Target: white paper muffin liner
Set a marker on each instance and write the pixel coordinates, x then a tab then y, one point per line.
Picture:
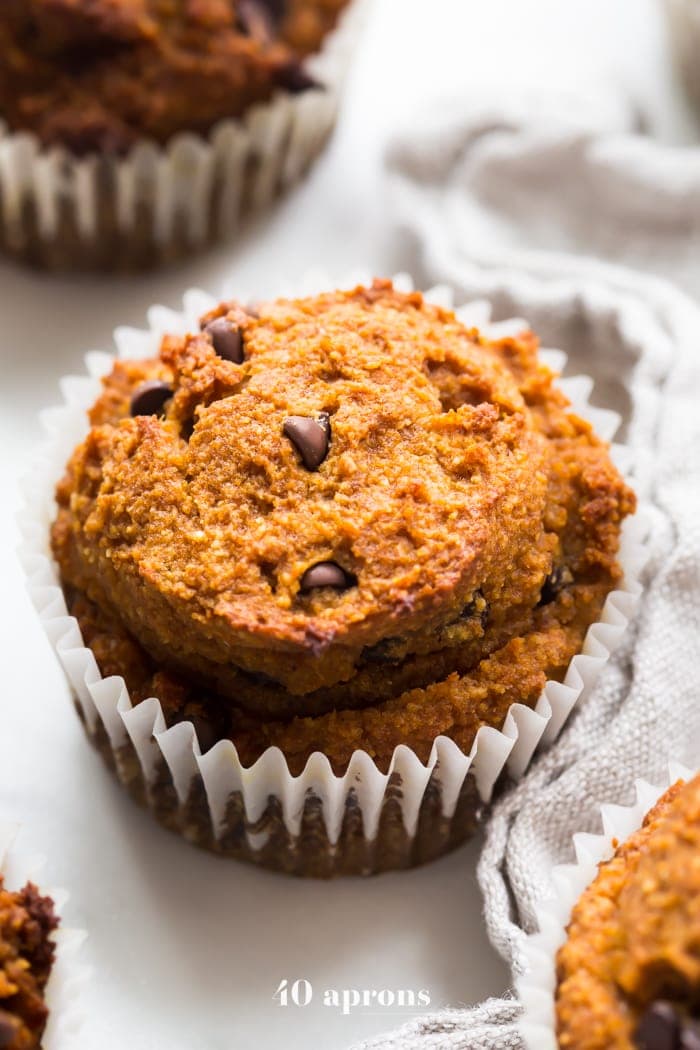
426	802
159	203
69	974
536	989
684	26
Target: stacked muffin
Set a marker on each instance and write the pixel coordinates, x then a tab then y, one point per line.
336	524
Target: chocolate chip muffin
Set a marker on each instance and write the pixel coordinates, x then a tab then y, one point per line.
105	74
629	973
337	523
27	922
134	132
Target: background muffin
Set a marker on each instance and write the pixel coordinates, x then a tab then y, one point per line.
614	962
41	976
114	87
628	975
335	525
27	923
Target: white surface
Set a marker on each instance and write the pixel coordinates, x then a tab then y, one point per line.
188	949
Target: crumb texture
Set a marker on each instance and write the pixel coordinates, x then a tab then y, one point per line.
632	959
102	74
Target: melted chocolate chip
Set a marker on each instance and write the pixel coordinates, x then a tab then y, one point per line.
294	78
149	398
559	578
478	606
326	574
227	339
310	437
658	1028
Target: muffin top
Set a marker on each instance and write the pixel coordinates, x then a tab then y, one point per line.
27	922
102	74
306	497
629	973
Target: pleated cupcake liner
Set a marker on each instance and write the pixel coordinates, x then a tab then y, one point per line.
536	989
159	203
316	823
69	974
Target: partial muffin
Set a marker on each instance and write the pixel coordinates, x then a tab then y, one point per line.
629	973
27	924
103	75
99	79
338	523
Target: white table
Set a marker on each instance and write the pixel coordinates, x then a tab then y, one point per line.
188	949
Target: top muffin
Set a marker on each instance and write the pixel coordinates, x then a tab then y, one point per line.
102	74
306	491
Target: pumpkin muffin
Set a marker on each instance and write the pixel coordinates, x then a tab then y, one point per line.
337	523
27	922
629	973
102	75
136	131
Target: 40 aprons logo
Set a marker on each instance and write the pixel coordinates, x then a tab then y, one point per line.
301	993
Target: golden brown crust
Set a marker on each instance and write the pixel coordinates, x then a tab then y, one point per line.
197	529
102	74
27	921
478	516
634	934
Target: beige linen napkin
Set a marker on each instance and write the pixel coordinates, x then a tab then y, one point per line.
640	340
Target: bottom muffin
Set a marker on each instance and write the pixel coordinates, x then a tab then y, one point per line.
629	973
27	923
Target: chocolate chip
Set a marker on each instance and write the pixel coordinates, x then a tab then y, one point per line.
227	339
310	437
690	1036
8	1030
149	398
658	1028
326	574
478	606
559	578
294	78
